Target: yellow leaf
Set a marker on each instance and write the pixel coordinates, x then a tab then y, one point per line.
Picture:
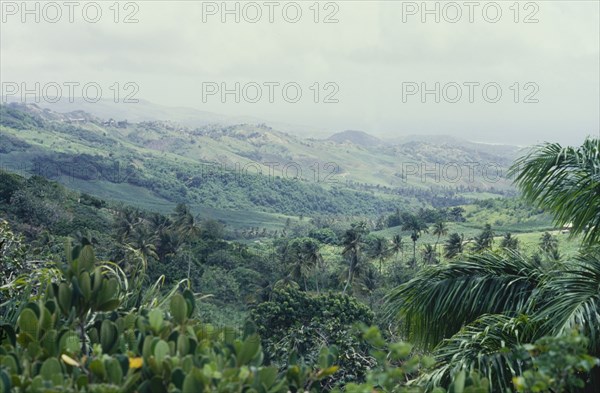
327	371
69	360
136	362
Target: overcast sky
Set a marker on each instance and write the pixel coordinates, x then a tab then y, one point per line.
375	52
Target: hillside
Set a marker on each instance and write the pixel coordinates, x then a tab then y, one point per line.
253	168
359	138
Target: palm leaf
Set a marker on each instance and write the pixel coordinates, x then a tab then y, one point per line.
570	299
487	345
442	299
566	182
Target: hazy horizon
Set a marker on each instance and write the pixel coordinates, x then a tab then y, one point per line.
371	58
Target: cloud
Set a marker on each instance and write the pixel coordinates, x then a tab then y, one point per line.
369	53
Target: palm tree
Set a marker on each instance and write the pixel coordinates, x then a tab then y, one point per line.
439	229
465	309
509	241
416	226
369	283
158	223
429	253
484	240
143	242
454	245
380	250
126	222
305	257
167	243
397	245
548	243
185	223
566	182
353	242
476	311
312	253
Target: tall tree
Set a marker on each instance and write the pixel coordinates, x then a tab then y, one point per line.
429	253
127	220
454	245
548	243
484	240
353	242
143	242
305	258
509	242
397	245
439	229
417	227
380	250
185	223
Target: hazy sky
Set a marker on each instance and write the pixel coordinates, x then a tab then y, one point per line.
371	60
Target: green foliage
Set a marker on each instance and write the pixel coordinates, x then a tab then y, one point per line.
397	365
220	283
484	240
548	243
475	312
303	259
454	246
296	322
12	257
566	182
36	204
441	299
394	365
509	241
556	364
132	350
478	312
9	184
324	235
78	337
353	242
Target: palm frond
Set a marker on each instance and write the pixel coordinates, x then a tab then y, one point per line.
566	182
442	299
487	345
570	299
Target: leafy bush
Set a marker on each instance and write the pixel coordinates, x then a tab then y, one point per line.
558	364
294	321
220	283
76	338
324	235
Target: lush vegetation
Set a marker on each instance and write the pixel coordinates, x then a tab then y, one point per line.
157	164
354	291
477	311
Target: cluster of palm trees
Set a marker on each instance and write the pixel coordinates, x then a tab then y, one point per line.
155	237
303	256
474	311
356	246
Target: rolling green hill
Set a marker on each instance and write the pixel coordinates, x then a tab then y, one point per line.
243	173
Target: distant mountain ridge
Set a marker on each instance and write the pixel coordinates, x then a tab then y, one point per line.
375	162
243	166
360	138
